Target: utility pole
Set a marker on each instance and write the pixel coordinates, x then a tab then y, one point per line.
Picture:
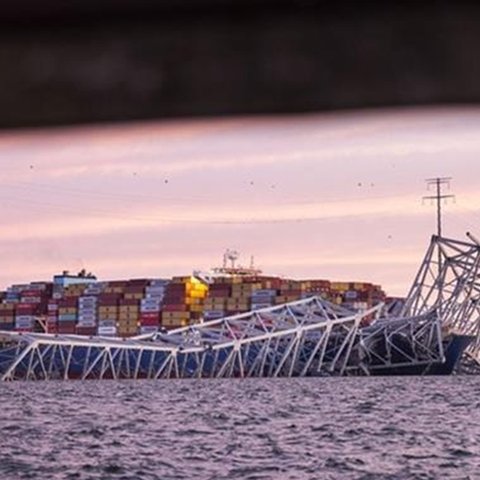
438	183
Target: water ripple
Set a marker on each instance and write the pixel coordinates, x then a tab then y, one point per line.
305	429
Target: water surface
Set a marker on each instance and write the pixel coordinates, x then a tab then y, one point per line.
323	428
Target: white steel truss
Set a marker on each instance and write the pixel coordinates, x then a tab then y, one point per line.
448	284
304	338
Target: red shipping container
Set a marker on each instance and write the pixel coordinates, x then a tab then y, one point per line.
117	283
219	293
175	288
150	315
170	299
149	322
134	289
25	311
139	282
69	302
86	330
32	293
129	302
65	329
175	308
108	299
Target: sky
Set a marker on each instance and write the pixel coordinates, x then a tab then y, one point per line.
328	195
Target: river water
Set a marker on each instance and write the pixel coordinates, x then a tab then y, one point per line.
320	428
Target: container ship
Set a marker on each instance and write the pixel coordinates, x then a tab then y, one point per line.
80	304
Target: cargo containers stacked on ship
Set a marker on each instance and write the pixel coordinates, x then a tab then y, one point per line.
357	295
31	306
316	287
7	315
183	303
240	300
289	291
87	315
150	306
215	305
129	307
52	316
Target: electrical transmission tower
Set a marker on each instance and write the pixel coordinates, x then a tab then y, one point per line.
438	183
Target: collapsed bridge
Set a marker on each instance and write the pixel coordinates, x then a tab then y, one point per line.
309	337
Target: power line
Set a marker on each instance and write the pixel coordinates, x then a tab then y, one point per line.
438	183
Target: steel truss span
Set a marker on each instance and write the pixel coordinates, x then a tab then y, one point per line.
308	337
448	283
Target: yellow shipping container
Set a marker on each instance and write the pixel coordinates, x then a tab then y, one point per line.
128	316
175	315
242	296
178	280
286	299
67	310
197	294
107	316
133	296
196	308
129	308
127	324
110	309
127	332
176	323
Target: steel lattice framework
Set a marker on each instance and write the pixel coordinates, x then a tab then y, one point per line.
448	284
303	338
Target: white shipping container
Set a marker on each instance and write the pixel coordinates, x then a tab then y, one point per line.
25	318
86	323
107	331
150	301
24	321
159	290
159	282
148	329
87	310
149	308
57	295
30	299
258	306
107	323
92	291
87	299
38	286
147	305
265	291
154	296
88	318
213	314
